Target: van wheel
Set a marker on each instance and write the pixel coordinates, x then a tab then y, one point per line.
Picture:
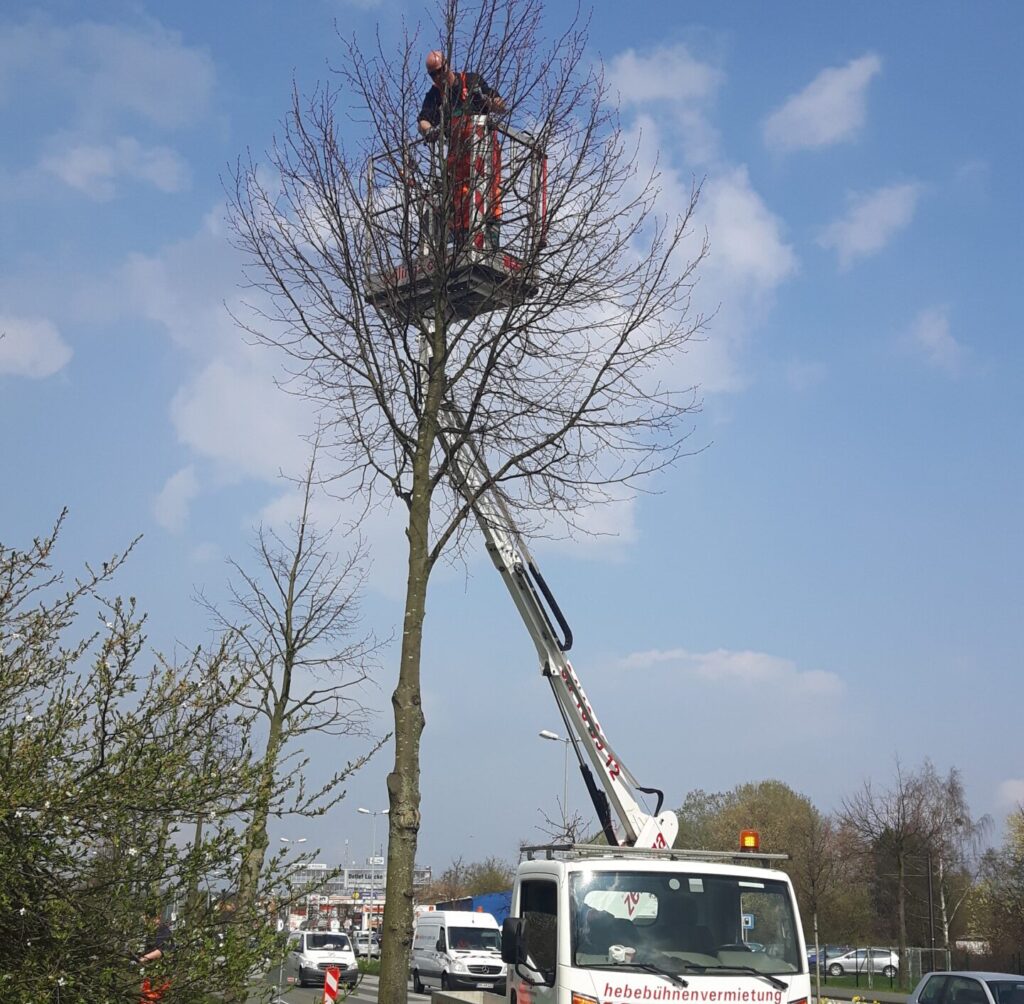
417	983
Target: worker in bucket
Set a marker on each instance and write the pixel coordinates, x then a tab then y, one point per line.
454	102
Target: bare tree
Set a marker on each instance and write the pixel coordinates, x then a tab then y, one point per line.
955	857
563	375
295	632
816	868
901	821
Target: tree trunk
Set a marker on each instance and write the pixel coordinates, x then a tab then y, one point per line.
404	780
901	900
253	854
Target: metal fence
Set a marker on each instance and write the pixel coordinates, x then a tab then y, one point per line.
922	960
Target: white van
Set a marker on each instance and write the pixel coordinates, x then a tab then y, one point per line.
457	949
310	953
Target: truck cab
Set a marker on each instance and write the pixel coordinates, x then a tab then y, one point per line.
596	924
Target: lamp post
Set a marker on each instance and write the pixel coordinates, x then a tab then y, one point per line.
556	738
280	968
373	853
297	840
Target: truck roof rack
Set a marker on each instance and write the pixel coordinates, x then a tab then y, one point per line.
566	851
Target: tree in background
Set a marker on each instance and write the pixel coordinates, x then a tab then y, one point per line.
787	823
997	904
296	636
897	826
573	396
460	880
100	788
815	868
954	860
698	821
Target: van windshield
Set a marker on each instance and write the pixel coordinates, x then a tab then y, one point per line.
474	939
328	941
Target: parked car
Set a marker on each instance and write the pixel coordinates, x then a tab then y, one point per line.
827	953
963	987
367	945
865	960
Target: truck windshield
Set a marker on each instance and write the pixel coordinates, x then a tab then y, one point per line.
474	938
683	922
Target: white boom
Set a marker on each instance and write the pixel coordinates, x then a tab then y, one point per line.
522	578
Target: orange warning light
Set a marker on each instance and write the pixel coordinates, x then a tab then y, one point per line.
750	840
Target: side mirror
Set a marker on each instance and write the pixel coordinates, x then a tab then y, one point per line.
512	949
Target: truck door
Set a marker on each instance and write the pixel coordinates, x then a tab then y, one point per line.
538	908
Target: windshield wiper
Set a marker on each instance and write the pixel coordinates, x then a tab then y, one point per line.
650	967
647	967
773	980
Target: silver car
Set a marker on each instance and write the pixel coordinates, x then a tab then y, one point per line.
968	987
865	960
367	945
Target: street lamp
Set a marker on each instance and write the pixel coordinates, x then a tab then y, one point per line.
297	840
373	852
556	738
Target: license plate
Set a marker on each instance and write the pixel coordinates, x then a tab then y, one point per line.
485	986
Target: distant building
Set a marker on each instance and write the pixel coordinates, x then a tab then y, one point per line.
352	896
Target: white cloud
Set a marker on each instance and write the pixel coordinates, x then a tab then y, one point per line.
31	347
668	73
830	109
188	288
170	508
1010	793
746	237
871	221
672	76
93	168
745	670
749	258
232	411
228	409
930	336
104	72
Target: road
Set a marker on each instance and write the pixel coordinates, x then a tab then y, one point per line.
364	993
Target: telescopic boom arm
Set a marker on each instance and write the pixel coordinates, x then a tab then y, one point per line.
534	601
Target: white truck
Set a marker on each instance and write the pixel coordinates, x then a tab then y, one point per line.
634	920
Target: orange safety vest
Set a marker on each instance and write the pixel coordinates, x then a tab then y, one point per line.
463	131
152	991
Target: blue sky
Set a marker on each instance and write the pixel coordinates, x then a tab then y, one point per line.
832	583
